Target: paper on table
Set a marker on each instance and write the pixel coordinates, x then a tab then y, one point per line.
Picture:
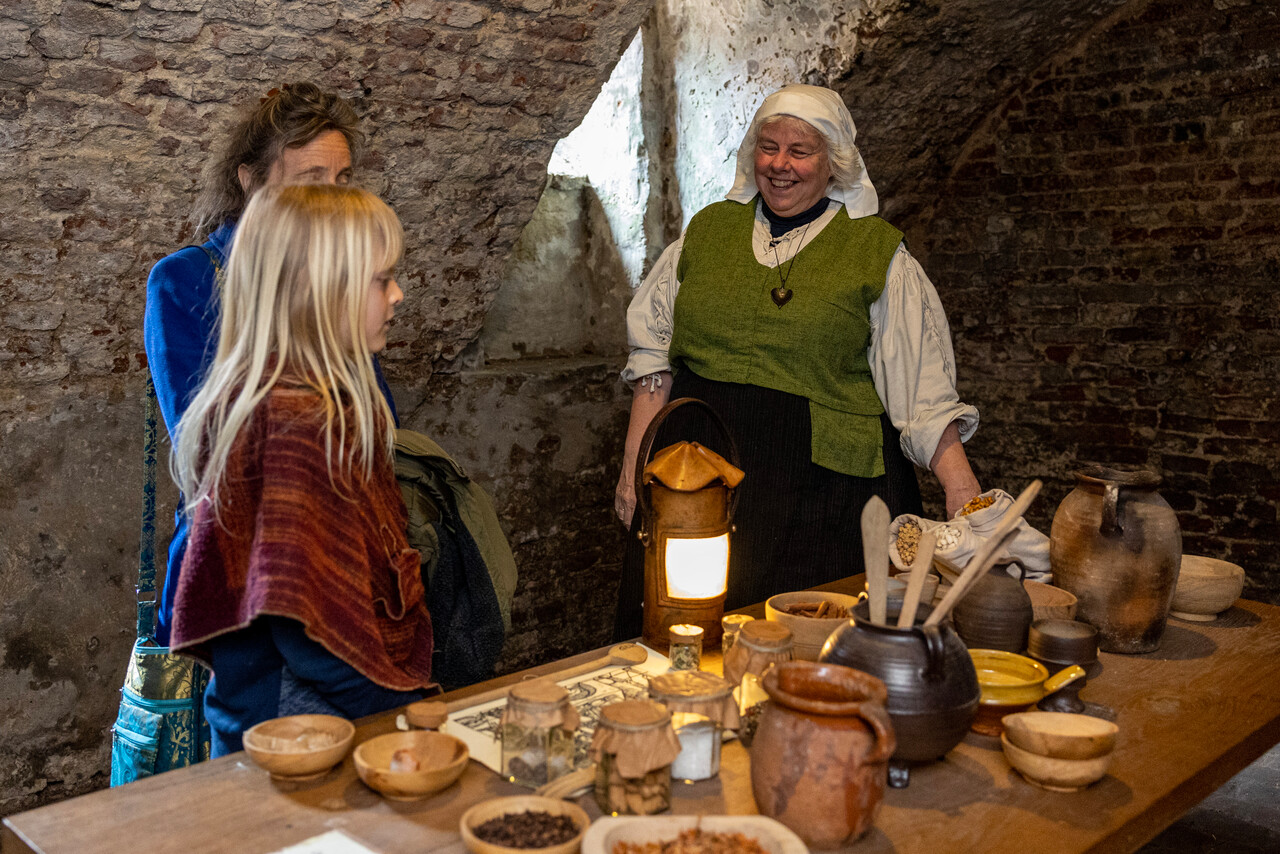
333	842
478	726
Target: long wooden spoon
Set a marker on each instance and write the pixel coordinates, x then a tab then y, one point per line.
622	654
915	582
986	554
875	556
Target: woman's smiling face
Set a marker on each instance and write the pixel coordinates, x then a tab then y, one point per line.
792	169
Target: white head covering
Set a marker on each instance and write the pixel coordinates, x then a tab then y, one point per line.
823	109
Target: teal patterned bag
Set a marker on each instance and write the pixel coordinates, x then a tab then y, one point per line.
161	723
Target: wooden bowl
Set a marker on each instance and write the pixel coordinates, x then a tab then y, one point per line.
1049	602
1056	775
897	588
299	747
1206	587
808	633
441	760
1059	735
498	807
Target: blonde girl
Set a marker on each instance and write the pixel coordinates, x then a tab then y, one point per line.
298	586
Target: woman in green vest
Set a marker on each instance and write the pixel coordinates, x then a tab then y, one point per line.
801	318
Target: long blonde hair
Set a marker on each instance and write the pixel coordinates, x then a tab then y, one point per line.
296	289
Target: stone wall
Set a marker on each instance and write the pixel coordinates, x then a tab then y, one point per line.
1108	249
107	110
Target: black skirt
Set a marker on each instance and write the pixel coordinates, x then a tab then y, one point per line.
798	524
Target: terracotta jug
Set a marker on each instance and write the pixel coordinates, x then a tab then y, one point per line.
820	754
1116	544
996	612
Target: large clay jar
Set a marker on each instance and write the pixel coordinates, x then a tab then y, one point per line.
1116	544
930	678
995	614
820	754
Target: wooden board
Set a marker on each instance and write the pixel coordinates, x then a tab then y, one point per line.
1192	714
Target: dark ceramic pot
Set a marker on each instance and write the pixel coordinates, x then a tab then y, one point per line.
1116	544
995	613
932	686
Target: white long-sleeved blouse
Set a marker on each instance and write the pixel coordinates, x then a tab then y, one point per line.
912	361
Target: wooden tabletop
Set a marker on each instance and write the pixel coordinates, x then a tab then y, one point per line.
1191	715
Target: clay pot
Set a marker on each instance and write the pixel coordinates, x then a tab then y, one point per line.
932	685
1116	544
820	755
995	613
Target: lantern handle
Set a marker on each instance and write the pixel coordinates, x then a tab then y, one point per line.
646	445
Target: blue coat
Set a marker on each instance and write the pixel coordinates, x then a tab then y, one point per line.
180	330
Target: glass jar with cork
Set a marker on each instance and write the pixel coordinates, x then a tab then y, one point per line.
634	746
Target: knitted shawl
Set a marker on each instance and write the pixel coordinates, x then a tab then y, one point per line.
289	541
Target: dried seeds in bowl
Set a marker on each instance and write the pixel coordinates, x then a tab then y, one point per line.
529	829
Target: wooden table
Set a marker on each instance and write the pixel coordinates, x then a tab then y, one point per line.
1191	715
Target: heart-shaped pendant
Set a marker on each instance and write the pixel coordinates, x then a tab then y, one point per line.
781	296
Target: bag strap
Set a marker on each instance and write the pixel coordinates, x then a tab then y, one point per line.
146	589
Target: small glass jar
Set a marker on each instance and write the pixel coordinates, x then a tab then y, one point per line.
730	625
759	644
634	746
701	706
537	730
686	646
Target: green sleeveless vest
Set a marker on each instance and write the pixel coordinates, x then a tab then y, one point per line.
727	328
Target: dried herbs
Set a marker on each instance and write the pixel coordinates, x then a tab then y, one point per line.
532	829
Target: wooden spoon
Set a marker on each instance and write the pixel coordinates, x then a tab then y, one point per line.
986	554
875	556
619	655
915	583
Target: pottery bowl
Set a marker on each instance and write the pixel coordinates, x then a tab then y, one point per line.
1059	735
1206	587
897	588
440	758
498	807
809	633
299	747
1009	683
1056	775
1049	602
1070	641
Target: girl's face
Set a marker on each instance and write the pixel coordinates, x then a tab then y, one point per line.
380	308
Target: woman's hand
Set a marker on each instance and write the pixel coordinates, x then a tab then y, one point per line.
951	466
647	398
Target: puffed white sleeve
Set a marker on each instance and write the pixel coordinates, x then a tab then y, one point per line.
912	362
649	317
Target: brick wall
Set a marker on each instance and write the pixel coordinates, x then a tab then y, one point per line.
1108	250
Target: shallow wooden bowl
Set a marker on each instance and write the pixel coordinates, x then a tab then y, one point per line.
1206	587
267	745
897	588
498	807
1049	602
1056	775
441	760
808	633
1059	735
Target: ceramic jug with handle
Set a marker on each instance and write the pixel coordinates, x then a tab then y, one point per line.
1117	545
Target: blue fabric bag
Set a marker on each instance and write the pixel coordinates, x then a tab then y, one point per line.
161	722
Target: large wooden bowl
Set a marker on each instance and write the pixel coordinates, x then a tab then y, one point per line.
299	747
441	760
498	807
1056	775
1049	602
808	633
1060	735
1206	587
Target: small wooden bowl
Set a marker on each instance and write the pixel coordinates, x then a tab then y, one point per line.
1056	775
897	588
498	807
1206	587
1059	735
266	742
441	760
1049	602
808	633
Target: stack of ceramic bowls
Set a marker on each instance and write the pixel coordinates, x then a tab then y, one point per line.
1058	644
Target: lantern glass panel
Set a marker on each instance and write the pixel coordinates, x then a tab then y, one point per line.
697	568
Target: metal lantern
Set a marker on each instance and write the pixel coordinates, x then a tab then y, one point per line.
685	497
